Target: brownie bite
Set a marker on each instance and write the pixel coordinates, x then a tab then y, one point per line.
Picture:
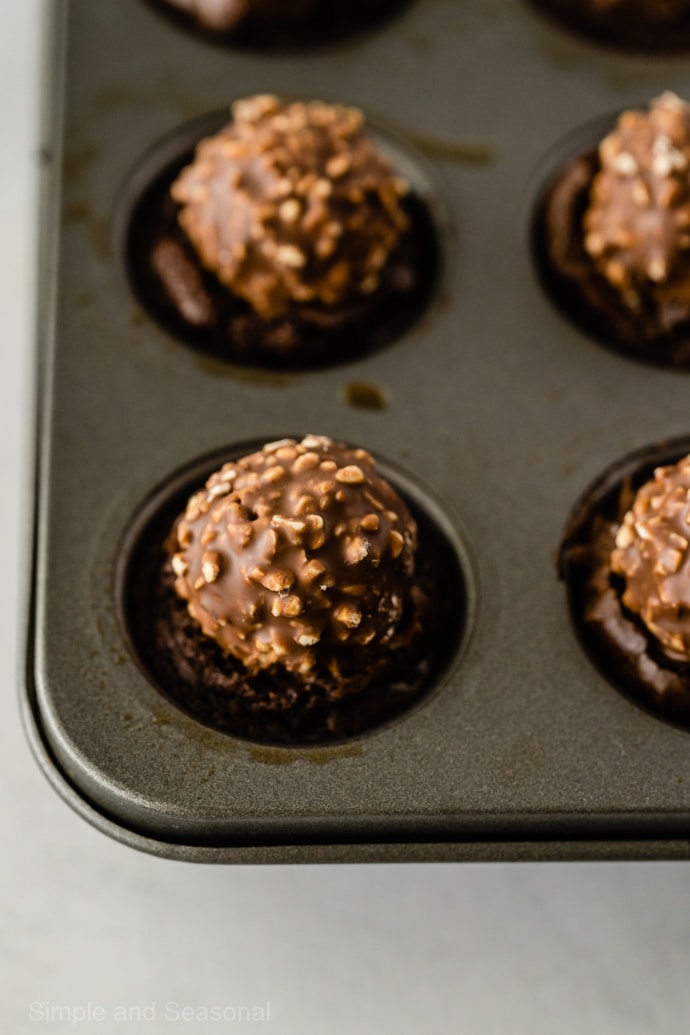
296	597
613	235
288	238
626	558
644	25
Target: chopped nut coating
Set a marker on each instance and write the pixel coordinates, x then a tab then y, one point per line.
292	202
652	554
301	578
635	226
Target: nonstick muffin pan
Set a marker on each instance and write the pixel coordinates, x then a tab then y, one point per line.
492	413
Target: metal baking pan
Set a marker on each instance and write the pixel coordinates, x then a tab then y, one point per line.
499	412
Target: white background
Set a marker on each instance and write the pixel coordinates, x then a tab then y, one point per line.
463	948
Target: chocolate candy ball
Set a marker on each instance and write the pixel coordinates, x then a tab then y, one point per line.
292	204
295	553
637	226
652	554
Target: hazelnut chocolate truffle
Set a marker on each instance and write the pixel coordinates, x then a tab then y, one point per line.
614	235
652	555
625	557
637	225
294	554
284	239
292	203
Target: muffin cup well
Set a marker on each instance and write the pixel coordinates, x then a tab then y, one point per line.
568	274
273	707
311	335
616	640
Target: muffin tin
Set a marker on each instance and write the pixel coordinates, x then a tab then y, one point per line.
498	413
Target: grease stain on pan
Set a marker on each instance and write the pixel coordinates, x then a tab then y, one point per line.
253	375
319	756
78	160
257	753
470	152
97	228
117	98
365	396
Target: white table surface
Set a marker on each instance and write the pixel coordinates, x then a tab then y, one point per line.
90	925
